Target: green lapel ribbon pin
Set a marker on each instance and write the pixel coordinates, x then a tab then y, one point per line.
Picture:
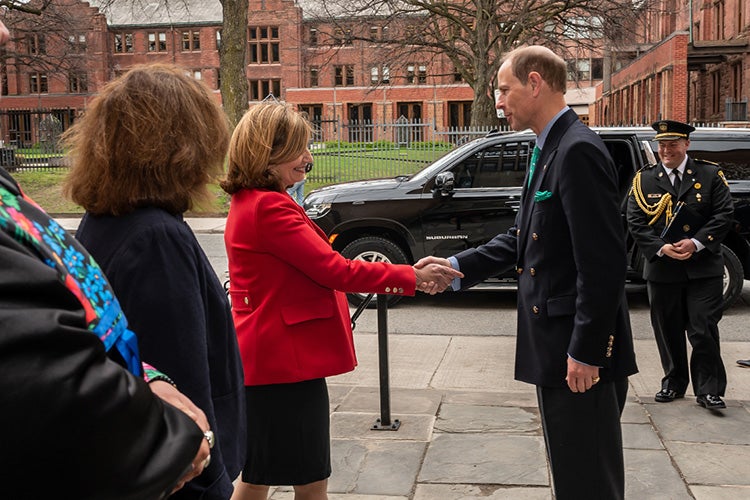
542	195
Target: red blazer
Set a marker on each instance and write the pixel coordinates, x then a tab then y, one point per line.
287	285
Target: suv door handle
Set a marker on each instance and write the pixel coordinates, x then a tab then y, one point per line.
513	204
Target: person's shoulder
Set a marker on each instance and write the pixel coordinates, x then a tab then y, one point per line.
705	163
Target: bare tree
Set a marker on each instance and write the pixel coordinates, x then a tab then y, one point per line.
473	35
232	54
47	35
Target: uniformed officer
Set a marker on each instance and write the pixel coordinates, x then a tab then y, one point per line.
684	278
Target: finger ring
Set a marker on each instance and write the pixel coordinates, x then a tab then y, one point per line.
595	380
207	461
209	435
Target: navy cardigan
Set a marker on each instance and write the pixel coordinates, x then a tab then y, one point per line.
178	309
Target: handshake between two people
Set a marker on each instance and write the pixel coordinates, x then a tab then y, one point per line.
435	274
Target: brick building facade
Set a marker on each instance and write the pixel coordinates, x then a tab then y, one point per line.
687	67
695	67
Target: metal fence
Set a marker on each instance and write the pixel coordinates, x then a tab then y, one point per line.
29	138
355	150
342	150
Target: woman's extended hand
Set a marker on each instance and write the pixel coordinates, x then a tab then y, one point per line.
434	274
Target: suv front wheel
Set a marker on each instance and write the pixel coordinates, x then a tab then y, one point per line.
373	249
734	277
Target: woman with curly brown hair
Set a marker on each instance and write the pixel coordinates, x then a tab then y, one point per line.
143	154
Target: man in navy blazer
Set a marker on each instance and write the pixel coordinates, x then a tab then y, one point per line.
574	340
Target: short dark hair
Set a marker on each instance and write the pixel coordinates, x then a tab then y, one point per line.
267	134
152	137
549	65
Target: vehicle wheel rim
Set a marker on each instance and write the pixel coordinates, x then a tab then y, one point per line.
371	256
725	284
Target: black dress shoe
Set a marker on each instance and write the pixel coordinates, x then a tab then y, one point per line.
744	362
667	396
710	402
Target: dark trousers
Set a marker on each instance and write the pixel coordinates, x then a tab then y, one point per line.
584	440
693	307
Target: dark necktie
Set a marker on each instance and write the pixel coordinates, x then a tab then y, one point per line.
677	181
532	164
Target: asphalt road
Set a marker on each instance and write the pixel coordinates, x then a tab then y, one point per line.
480	313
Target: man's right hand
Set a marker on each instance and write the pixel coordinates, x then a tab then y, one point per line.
673	252
448	272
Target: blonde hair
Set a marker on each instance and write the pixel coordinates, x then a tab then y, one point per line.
152	137
268	134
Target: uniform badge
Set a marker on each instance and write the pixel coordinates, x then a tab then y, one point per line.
654	195
690	172
697	185
698	197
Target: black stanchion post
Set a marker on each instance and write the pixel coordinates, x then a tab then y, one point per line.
384	422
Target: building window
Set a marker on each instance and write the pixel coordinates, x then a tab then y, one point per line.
410	73
260	89
313	38
78	82
380	75
719	20
584	27
191	40
123	43
197	74
157	42
218	39
264	44
314	73
597	68
579	70
343	36
416	74
77	43
715	92
343	75
314	112
38	83
37	44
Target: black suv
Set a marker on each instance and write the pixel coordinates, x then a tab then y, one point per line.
473	193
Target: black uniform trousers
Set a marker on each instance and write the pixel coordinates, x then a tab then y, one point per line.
693	306
584	440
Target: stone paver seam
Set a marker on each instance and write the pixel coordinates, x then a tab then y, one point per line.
664	445
440	363
413	491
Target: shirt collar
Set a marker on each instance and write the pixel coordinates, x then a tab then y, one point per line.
680	168
545	131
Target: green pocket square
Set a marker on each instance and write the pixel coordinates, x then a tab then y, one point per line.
542	195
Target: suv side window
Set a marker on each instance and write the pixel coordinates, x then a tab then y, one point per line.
498	165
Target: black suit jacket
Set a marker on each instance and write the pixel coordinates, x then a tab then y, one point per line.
76	423
703	189
568	246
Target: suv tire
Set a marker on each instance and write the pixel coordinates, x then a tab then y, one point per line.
373	249
734	277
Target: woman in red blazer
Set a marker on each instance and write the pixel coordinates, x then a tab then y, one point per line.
288	304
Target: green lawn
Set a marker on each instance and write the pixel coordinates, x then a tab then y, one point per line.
331	165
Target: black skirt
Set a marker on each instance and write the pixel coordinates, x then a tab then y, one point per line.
288	434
